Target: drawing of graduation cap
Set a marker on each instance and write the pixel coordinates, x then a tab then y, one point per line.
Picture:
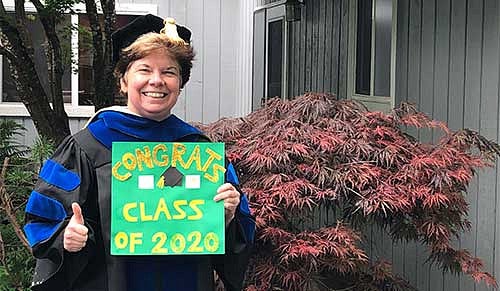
171	177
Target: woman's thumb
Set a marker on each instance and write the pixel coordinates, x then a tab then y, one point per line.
77	213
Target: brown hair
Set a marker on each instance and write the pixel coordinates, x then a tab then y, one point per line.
181	52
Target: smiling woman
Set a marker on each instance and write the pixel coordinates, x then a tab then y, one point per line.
153	61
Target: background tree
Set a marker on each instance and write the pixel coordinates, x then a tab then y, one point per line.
47	107
315	154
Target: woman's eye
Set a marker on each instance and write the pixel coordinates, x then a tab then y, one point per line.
170	73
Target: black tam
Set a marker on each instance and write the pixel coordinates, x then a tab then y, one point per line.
126	35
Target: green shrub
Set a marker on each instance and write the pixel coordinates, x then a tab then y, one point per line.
19	169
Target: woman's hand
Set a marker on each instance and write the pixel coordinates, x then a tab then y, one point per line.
75	233
231	198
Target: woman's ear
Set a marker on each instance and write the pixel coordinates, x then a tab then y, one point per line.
123	86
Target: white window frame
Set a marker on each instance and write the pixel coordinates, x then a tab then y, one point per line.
372	102
72	109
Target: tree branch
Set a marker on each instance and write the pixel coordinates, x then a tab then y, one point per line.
21	26
7	53
2	251
48	21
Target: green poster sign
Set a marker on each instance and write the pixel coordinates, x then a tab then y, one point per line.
162	198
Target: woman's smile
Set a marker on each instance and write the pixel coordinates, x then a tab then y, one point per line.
155	94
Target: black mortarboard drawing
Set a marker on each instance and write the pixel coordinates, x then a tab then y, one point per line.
171	177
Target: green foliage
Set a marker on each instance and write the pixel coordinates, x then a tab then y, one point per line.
9	147
41	150
60	6
17	269
16	261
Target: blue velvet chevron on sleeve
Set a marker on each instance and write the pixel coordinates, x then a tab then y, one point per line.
55	174
51	210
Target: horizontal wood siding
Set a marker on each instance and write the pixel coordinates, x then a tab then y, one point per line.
448	65
318	49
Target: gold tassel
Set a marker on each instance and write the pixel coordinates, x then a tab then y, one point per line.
170	30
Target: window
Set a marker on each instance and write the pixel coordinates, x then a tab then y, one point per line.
372	67
77	77
269	54
275	58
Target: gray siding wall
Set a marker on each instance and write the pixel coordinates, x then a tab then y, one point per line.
448	65
318	49
215	82
317	53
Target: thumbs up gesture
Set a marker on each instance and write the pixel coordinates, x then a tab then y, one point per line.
75	233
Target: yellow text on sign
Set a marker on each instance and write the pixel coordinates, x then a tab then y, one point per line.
137	211
195	242
159	157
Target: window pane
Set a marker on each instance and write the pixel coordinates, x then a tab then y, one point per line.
40	45
275	58
383	32
85	57
364	47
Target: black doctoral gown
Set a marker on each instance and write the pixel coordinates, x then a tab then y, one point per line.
80	171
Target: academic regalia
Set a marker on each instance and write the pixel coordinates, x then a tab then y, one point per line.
80	171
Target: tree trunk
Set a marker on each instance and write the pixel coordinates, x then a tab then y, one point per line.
49	123
104	81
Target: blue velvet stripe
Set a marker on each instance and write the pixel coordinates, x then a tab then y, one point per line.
45	207
57	175
106	136
247	223
244	207
118	126
39	231
231	176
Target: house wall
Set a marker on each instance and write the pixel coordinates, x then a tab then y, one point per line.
318	49
316	53
448	65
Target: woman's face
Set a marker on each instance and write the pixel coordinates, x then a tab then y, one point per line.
152	85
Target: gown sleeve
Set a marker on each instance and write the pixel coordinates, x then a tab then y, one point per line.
240	233
66	177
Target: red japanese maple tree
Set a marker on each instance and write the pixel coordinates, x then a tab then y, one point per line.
314	152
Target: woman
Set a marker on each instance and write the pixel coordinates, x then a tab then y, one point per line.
68	213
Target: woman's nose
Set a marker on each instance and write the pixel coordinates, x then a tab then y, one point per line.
155	79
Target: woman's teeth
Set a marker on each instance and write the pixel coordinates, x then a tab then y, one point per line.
154	94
